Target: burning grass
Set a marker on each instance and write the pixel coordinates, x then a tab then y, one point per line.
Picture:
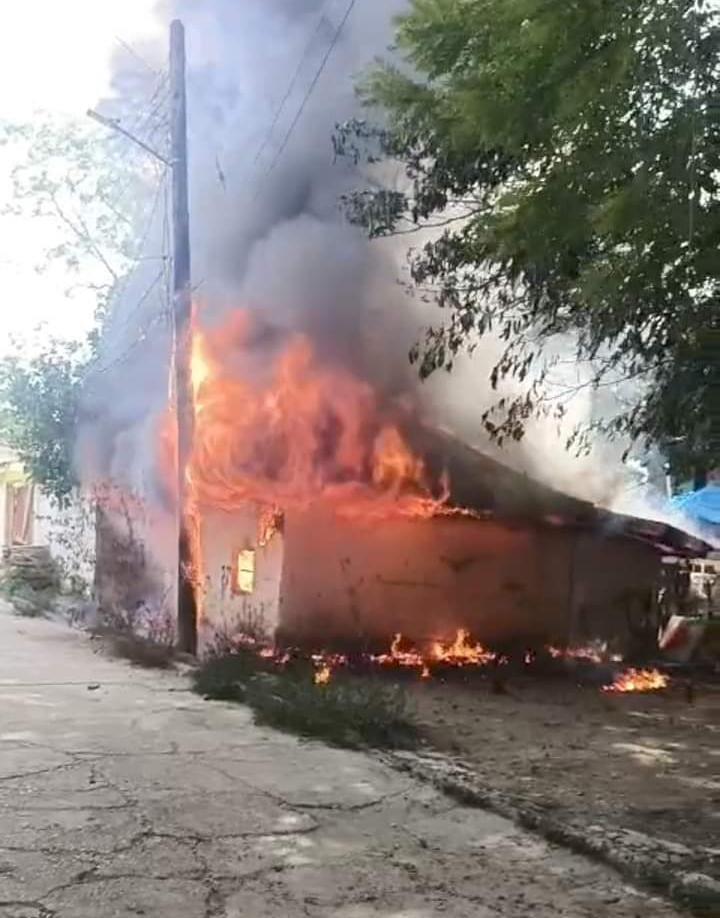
639	680
302	698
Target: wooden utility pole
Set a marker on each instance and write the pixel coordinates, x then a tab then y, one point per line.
182	320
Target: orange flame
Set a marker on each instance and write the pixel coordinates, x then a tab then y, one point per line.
290	432
461	652
398	657
323	675
639	680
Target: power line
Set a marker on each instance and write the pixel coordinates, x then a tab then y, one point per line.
291	85
157	101
125	355
118	294
136	54
311	88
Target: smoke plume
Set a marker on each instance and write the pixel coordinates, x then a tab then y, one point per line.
267	235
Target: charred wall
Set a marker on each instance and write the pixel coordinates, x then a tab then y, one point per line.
226	610
360	582
614	588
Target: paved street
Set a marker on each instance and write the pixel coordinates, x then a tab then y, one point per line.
122	794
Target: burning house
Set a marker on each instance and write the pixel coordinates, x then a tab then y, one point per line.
325	507
327	518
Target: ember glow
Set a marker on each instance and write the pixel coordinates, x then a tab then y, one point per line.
639	680
245	571
323	675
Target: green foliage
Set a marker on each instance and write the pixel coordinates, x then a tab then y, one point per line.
571	155
90	188
39	397
348	711
26	600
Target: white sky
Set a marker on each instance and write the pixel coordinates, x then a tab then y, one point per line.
54	56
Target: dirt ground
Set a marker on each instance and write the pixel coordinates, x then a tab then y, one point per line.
649	763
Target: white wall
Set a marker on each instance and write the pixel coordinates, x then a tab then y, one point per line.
69	533
222	536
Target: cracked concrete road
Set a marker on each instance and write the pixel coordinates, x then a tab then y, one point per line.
122	794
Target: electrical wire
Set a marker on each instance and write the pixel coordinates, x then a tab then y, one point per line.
291	85
117	296
311	89
125	355
162	275
136	54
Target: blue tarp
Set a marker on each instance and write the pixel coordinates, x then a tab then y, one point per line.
702	505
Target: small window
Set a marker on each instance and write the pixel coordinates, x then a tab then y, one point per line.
244	579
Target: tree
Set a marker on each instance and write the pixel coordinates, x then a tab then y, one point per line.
94	190
38	412
90	189
567	156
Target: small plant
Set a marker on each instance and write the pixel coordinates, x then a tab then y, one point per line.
346	711
140	650
246	627
226	676
26	601
145	636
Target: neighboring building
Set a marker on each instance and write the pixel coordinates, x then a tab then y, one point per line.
19	500
702	507
29	518
530	565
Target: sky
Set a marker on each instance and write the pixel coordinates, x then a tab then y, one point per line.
54	57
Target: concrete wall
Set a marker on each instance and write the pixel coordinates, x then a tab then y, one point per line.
69	533
615	581
425	578
222	536
328	581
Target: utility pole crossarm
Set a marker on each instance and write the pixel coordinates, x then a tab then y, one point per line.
116	126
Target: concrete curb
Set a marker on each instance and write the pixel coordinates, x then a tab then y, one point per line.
650	862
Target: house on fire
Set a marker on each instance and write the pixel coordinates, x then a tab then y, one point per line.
527	563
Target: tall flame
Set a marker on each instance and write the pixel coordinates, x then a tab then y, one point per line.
293	431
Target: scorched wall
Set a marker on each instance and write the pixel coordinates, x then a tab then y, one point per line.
359	580
326	581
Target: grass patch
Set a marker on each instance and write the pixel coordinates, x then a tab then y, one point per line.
225	677
349	711
138	650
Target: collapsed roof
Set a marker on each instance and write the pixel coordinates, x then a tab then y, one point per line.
486	486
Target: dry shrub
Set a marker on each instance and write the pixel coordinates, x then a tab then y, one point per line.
348	711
